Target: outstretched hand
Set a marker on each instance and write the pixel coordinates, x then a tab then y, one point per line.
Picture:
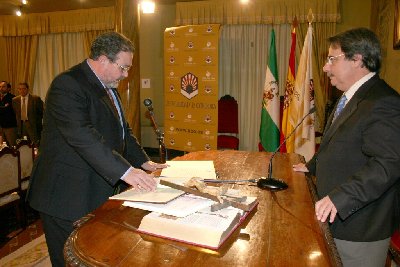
300	167
152	166
140	180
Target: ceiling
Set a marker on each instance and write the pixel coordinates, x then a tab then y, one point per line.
8	7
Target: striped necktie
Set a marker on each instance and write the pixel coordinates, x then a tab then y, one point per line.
340	106
24	114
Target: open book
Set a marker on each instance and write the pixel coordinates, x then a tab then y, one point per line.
203	228
162	194
179	207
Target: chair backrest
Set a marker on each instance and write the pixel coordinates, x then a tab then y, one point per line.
27	154
227	115
10	174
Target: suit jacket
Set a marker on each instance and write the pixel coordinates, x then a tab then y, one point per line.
7	115
34	112
358	164
82	153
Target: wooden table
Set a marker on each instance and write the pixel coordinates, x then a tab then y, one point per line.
283	231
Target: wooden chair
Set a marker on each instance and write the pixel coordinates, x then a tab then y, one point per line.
228	128
26	150
10	186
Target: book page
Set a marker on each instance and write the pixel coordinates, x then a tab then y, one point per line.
179	207
220	219
162	194
204	228
184	170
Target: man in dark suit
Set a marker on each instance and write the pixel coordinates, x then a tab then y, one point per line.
8	123
87	148
28	110
358	162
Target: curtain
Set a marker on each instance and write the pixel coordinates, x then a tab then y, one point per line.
57	22
19	43
67	49
20	53
381	20
255	12
127	23
243	61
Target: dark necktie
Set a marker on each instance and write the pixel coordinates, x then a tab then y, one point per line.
115	102
340	106
109	93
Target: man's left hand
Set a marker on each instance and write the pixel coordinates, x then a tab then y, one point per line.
152	166
325	208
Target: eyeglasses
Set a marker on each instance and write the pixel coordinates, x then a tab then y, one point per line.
331	59
123	68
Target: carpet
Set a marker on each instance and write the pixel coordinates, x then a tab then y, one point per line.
32	254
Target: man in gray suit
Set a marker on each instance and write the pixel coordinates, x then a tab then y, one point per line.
87	148
358	163
28	110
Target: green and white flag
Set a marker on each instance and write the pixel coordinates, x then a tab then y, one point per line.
269	127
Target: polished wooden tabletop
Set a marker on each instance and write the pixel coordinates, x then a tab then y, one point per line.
282	231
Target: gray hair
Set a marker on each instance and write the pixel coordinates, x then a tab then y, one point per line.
110	44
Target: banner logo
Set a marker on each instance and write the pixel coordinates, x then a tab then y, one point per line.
189	85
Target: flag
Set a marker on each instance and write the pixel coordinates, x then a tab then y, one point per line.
269	127
286	127
303	101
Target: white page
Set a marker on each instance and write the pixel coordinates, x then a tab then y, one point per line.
162	194
179	207
184	170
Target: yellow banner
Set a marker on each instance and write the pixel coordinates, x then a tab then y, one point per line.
191	87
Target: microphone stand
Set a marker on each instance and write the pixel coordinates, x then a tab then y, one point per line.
162	150
312	110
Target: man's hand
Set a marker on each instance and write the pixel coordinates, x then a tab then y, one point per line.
140	180
152	166
300	167
324	208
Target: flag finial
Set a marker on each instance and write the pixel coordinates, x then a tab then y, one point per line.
295	23
310	16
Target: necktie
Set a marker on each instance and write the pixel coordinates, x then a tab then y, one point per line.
114	101
108	90
340	106
24	115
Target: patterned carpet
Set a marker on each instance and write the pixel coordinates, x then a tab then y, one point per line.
32	254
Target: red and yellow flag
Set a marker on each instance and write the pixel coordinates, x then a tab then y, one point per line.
286	127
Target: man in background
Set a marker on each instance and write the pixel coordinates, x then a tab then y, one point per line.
28	109
8	122
357	166
87	150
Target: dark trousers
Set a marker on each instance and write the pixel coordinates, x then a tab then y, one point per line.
56	231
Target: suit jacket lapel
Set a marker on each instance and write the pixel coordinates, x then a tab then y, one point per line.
348	110
99	90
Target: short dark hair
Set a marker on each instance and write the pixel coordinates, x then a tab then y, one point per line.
360	41
110	44
24	83
7	84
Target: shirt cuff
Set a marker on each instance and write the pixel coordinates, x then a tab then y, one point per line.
126	173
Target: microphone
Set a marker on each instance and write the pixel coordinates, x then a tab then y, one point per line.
273	183
148	103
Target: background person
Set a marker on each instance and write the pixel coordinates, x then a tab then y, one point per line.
358	162
8	122
87	147
28	110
